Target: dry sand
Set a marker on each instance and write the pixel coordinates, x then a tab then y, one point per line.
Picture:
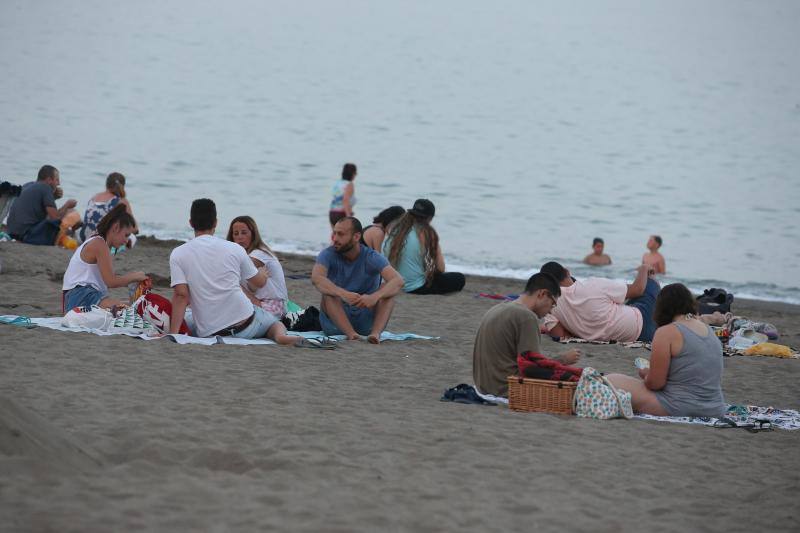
115	433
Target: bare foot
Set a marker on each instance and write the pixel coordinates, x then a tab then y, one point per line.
353	336
374	339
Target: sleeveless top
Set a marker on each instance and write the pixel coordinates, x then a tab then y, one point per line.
79	272
95	211
273	295
337	204
694	382
410	264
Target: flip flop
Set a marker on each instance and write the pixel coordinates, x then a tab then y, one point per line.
317	343
21	321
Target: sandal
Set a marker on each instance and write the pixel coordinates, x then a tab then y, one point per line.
21	321
323	343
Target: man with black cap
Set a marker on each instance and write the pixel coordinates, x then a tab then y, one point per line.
412	247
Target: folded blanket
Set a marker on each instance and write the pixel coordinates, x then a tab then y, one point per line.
55	323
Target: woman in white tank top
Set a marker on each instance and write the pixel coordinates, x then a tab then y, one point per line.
90	272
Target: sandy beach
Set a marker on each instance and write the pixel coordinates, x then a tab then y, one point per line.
122	434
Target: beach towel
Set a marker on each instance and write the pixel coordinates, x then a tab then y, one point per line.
744	416
55	323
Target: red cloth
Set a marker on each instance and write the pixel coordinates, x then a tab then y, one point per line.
537	366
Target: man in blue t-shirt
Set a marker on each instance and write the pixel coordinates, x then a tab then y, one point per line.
348	274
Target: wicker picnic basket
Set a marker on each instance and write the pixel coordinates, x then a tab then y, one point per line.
539	395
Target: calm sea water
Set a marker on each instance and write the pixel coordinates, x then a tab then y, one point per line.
533	126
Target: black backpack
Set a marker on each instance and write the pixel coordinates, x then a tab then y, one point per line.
714	300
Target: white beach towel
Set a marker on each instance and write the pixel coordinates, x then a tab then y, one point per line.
55	323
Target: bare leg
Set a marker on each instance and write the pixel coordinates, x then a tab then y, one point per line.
383	310
334	308
277	332
643	400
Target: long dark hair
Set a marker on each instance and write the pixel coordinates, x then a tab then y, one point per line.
388	215
674	299
422	225
256	243
118	214
349	171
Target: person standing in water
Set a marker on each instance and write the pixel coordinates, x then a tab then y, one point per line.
343	195
653	257
597	257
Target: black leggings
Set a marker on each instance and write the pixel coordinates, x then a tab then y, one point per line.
443	282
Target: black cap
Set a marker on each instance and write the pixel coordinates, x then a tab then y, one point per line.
423	208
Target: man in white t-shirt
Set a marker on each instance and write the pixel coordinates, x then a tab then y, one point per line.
599	309
207	273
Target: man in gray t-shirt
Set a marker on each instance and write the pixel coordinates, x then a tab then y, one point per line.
509	329
33	218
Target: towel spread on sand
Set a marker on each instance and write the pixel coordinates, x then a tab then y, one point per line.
577	340
744	416
55	323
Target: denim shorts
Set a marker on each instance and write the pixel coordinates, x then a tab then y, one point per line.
360	318
257	329
646	304
82	296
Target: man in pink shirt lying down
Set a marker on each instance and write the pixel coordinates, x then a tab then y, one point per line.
595	309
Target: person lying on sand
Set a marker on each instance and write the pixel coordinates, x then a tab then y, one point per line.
595	309
512	328
597	257
207	271
91	272
685	373
348	274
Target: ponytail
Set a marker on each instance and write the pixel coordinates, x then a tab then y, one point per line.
115	183
117	215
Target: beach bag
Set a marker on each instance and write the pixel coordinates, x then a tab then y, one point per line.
596	397
156	310
714	300
92	318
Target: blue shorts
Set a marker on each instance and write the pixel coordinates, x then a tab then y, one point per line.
360	318
646	304
82	296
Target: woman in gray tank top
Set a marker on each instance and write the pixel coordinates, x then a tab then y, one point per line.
685	374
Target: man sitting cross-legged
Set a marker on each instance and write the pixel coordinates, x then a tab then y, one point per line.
511	329
348	274
207	273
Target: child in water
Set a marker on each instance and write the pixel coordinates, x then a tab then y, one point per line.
653	257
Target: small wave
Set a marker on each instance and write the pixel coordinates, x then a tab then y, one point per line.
748	290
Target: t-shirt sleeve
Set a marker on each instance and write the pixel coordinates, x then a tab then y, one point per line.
246	267
377	262
176	273
48	200
528	334
549	321
324	258
615	290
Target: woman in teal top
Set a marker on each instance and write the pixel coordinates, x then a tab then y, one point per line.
412	247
